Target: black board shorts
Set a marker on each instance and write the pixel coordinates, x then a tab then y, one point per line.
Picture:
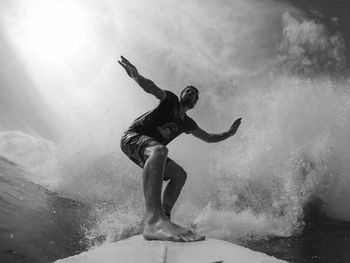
133	145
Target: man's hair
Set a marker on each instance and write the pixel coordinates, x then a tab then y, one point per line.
193	88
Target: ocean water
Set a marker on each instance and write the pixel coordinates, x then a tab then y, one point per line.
279	187
322	240
37	225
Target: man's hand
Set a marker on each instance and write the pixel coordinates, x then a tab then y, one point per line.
235	126
129	68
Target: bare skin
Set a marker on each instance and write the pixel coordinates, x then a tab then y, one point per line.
177	178
157	224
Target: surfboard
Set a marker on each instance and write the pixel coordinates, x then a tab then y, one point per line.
135	249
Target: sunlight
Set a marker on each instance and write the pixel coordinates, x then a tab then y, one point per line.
52	40
55	29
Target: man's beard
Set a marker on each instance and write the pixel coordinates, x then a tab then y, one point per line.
187	102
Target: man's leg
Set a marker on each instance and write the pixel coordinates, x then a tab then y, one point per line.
157	225
177	176
152	175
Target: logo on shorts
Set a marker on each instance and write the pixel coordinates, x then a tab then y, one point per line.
168	130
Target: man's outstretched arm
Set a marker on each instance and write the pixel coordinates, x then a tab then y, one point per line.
146	84
216	137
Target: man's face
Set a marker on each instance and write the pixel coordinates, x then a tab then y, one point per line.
188	97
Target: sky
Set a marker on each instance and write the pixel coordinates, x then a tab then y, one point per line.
59	75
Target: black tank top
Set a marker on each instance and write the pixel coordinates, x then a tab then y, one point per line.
164	122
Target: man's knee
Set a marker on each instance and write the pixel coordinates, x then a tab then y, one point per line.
182	177
159	150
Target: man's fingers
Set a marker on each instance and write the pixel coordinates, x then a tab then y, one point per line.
121	63
236	124
126	67
238	121
126	61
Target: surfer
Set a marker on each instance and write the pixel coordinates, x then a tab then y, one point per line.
145	142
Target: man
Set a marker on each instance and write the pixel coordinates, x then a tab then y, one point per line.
145	144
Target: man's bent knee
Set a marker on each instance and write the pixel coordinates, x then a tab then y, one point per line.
157	150
182	177
160	150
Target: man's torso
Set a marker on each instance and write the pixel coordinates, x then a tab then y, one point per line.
164	122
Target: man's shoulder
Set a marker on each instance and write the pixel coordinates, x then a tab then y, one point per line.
190	124
188	118
170	93
170	96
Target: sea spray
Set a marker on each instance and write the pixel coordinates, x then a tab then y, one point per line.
86	170
37	156
292	147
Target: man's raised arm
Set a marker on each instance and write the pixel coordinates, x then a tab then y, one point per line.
146	84
216	137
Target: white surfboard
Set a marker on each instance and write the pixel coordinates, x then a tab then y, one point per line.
136	249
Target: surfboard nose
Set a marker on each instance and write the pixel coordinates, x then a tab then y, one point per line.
136	249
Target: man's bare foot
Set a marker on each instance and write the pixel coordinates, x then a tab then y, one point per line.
164	229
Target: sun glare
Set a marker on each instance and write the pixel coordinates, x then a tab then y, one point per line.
55	29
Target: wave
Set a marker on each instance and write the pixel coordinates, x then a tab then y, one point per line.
37	225
291	149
